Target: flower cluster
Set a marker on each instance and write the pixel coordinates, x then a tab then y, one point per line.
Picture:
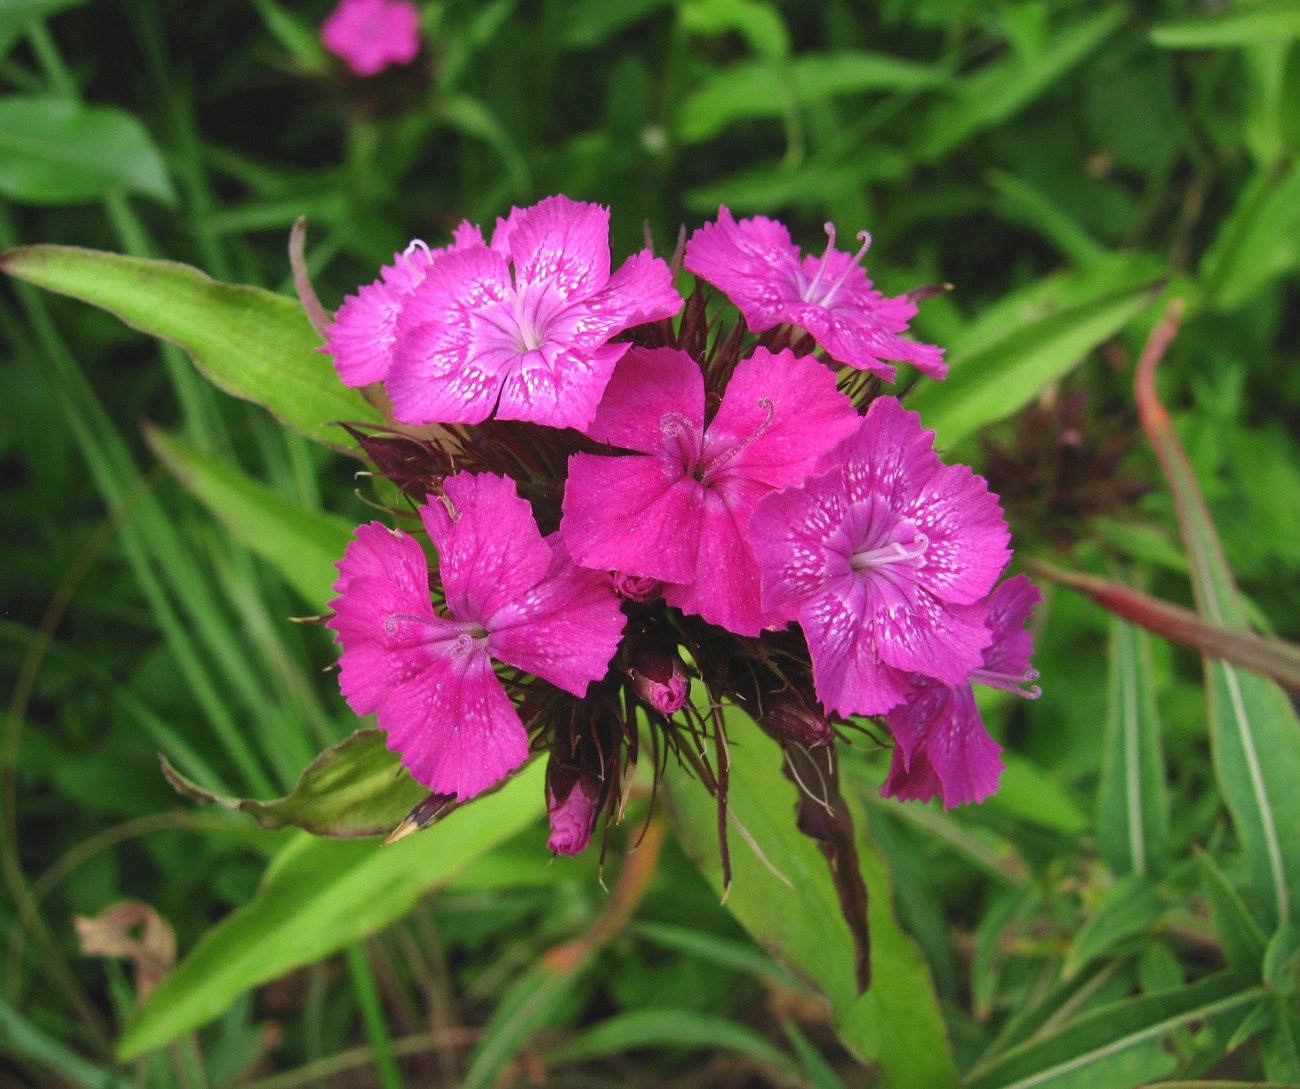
642	514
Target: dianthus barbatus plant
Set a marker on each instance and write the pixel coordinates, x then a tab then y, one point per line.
644	514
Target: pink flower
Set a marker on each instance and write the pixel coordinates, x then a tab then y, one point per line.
941	744
756	265
365	326
886	556
475	340
677	509
510	596
369	35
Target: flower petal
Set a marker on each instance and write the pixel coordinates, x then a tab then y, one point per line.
637	514
456	729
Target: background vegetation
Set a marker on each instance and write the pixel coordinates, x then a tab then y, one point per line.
1123	911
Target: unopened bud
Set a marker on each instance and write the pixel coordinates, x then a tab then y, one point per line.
796	718
572	805
636	587
659	677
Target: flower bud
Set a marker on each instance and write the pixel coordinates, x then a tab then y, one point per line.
795	717
659	676
572	806
636	587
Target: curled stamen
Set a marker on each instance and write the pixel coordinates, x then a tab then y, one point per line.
1019	685
417	244
672	424
865	237
463	645
769	409
811	290
894	552
390	624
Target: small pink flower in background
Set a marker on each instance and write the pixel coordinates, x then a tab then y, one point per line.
369	35
510	597
754	263
475	341
941	745
676	510
887	556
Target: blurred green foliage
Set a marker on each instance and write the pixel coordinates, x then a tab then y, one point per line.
1108	919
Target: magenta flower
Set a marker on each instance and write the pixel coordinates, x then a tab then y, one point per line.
941	745
677	509
365	326
474	339
756	265
510	596
369	35
886	556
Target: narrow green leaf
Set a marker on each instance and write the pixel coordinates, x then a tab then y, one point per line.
16	14
296	36
1282	961
318	896
993	381
1132	806
670	1029
55	151
253	344
1239	935
535	999
1119	1045
587	23
1258	242
757	22
303	545
1254	730
355	788
1280	1045
1238	24
999	90
732	955
1129	907
762	88
786	899
34	1045
818	1072
1031	795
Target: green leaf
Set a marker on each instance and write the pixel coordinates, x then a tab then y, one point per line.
296	36
992	381
318	896
252	343
1238	24
32	1044
1258	242
1033	796
1132	807
1239	935
1282	961
355	788
53	151
999	90
763	88
15	15
757	22
670	1029
786	899
1254	730
301	544
1280	1045
1117	1046
1129	907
